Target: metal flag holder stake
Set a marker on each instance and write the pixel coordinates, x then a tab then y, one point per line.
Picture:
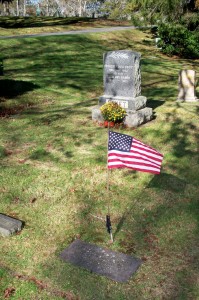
108	218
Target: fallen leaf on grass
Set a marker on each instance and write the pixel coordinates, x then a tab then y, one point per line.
66	295
8	152
16	200
9	292
144	258
22	161
33	200
38	283
13	214
18	232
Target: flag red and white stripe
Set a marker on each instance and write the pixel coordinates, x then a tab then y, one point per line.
125	151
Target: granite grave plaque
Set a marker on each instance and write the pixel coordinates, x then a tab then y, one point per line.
122	84
9	225
114	265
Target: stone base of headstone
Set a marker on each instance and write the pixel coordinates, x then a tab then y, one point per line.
96	114
137	112
9	225
127	103
136	118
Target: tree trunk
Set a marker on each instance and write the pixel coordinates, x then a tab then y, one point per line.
84	7
17	7
80	8
4	8
24	8
47	7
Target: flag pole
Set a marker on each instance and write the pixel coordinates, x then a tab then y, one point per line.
108	219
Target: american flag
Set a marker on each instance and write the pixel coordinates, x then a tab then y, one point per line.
125	151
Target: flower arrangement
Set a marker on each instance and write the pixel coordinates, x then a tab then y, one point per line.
113	112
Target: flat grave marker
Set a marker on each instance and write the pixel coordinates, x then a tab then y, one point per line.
114	265
9	225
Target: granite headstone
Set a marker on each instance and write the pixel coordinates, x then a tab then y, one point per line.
122	84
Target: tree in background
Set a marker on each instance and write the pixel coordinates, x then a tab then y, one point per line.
168	10
65	8
115	9
148	11
179	34
15	7
58	8
6	7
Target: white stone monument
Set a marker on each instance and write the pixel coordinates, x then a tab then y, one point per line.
187	86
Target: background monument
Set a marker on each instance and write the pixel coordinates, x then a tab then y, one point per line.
187	86
122	84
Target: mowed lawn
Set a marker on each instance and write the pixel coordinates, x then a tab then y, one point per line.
53	172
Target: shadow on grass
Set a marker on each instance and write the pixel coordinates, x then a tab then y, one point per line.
180	132
23	22
12	88
155	103
10	101
168	182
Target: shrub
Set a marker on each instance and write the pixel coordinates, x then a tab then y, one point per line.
176	39
113	112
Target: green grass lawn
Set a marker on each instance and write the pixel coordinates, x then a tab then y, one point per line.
53	172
